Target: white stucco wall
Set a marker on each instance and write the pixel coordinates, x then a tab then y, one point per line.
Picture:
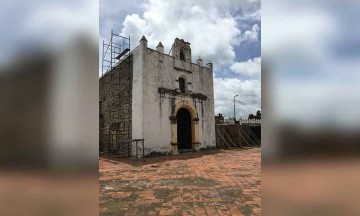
137	93
154	70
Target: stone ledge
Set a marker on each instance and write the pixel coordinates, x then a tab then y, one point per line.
180	69
173	92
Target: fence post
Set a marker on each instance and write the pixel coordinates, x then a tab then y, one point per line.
129	150
136	150
109	145
143	145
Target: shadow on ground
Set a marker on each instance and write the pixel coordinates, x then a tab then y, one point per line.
153	160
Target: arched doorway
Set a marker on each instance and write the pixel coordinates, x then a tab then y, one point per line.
184	137
184	120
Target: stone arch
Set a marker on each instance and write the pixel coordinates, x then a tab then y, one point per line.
194	126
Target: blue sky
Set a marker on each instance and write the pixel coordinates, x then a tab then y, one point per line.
302	60
226	33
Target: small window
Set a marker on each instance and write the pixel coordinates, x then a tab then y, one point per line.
182	85
182	56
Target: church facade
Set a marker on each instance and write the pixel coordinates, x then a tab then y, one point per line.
167	100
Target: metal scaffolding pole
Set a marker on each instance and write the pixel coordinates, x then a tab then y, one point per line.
115	52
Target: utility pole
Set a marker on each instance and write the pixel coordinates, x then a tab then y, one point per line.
234	109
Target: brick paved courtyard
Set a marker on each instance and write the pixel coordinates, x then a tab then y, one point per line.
218	182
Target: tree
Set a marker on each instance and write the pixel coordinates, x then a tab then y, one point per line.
219	119
251	116
220	116
258	115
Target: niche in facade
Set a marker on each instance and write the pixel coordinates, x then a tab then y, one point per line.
182	82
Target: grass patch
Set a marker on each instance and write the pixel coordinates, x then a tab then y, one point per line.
190	181
246	210
113	208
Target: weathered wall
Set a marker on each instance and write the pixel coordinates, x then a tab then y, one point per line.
142	112
137	92
115	94
163	71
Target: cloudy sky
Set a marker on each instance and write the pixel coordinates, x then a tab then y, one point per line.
225	32
29	26
312	56
312	61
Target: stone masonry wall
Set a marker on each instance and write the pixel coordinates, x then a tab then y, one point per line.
115	98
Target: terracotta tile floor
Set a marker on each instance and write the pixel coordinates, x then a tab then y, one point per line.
312	186
218	182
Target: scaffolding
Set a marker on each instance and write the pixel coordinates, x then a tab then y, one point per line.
115	101
116	50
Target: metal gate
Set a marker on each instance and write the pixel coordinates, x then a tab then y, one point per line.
113	147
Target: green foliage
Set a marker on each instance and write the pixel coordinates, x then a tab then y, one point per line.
256	116
251	116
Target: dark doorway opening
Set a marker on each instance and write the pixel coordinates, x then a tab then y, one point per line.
184	129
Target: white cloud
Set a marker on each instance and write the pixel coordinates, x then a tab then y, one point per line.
247	102
252	35
312	84
113	11
305	30
54	23
207	25
251	16
249	68
214	28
